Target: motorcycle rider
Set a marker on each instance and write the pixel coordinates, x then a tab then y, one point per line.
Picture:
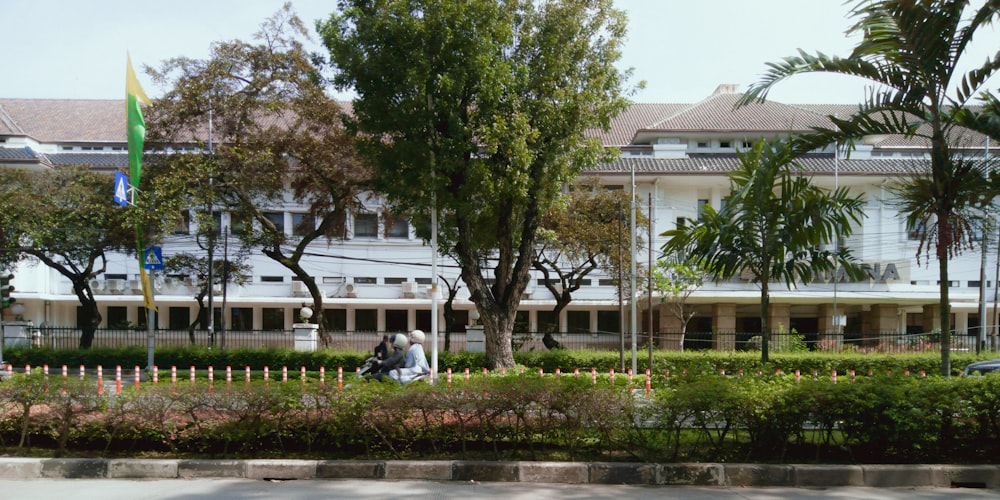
415	364
382	367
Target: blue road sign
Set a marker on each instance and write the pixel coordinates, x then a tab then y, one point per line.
121	189
152	259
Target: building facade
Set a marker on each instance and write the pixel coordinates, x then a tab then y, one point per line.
675	157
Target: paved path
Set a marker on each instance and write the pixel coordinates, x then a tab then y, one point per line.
224	489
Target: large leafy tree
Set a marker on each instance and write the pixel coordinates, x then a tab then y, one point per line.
585	231
775	225
478	109
277	138
910	50
72	231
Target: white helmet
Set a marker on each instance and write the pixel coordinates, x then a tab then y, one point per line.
399	341
417	337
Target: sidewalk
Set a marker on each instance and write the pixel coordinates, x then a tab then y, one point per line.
692	474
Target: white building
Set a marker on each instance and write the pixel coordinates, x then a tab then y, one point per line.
679	155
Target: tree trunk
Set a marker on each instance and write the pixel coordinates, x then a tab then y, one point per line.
498	329
90	319
942	252
765	332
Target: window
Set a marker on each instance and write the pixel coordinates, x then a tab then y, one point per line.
609	321
272	318
142	315
237	223
183	223
241	318
278	219
702	145
365	226
398	227
725	144
365	280
394	281
179	318
747	145
303	224
336	319
606	282
547	321
701	209
578	321
272	279
366	320
117	317
395	320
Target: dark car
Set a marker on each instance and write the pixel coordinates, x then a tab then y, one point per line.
982	367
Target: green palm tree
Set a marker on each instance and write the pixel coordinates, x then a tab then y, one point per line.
775	225
910	51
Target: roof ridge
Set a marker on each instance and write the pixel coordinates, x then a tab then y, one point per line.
8	121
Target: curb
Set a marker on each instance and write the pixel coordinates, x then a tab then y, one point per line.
690	474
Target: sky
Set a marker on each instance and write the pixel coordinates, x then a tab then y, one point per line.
681	49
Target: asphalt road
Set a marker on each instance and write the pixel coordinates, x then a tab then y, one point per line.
223	489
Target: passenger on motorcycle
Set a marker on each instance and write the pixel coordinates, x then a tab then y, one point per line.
381	368
415	364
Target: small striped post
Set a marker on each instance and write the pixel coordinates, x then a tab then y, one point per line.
135	377
541	372
503	371
302	374
100	379
851	373
576	372
45	370
798	376
267	375
449	377
593	376
83	372
834	376
211	377
322	375
173	375
467	374
229	375
284	374
722	372
65	372
27	369
558	372
485	371
156	374
118	379
246	370
191	374
611	376
649	384
340	377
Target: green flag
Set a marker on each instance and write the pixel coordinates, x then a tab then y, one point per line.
134	96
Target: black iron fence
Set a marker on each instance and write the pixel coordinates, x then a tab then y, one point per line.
883	342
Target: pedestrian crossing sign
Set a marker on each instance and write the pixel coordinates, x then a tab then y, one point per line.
153	259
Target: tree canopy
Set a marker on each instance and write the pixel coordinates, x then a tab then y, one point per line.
273	129
71	232
775	226
478	110
910	51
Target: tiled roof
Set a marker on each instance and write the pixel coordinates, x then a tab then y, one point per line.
718	113
723	164
638	116
96	160
65	120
